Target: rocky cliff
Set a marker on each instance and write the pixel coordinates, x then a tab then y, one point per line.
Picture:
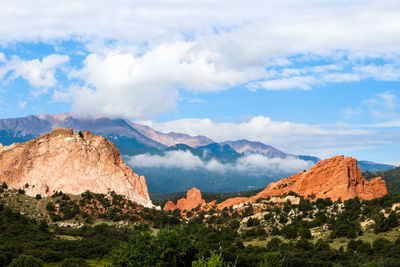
193	200
72	163
336	177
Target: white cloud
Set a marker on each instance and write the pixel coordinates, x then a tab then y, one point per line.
252	164
144	53
389	100
297	138
40	74
256	163
361	25
171	159
307	77
123	84
386	72
383	106
300	82
22	104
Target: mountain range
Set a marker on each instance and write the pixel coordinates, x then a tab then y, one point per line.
164	157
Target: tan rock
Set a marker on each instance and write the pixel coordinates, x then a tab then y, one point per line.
193	200
336	177
72	163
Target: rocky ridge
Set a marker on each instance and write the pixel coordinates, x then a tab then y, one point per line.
72	163
337	178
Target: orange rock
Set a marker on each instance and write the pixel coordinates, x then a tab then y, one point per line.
336	177
72	163
193	200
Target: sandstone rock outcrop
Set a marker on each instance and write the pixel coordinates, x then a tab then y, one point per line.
193	200
72	163
336	177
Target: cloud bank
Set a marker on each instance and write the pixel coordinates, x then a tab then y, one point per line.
255	164
297	138
140	57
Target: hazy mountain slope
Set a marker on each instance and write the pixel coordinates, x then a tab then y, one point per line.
373	166
127	139
309	158
170	139
245	146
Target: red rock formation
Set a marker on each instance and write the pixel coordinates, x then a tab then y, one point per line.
72	163
193	200
337	177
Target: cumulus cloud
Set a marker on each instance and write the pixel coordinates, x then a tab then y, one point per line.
39	73
298	138
254	164
123	84
365	25
141	55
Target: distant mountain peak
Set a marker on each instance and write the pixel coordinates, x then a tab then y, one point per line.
172	138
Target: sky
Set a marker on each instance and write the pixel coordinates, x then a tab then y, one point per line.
307	77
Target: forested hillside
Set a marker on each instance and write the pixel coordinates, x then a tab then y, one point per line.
100	230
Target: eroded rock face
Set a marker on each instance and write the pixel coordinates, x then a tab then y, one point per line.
72	163
336	177
193	200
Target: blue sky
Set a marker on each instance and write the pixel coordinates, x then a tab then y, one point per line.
304	76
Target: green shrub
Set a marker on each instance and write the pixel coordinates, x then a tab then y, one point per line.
74	262
4	185
50	207
274	259
215	260
25	261
21	191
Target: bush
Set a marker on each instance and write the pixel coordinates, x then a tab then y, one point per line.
24	261
21	191
253	222
43	227
274	244
65	197
235	224
74	262
289	231
50	207
4	185
272	259
215	260
167	248
305	233
38	196
381	245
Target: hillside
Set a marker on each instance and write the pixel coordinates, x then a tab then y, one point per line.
98	229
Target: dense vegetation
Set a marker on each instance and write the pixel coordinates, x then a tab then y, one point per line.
294	232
